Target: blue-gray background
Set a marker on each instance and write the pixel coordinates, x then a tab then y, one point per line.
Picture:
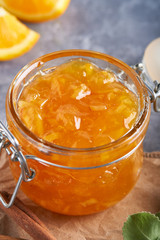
120	28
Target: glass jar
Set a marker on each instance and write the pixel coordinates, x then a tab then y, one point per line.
77	181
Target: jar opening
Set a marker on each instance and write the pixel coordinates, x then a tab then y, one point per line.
128	77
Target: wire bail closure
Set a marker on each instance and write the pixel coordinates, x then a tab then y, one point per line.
12	148
152	86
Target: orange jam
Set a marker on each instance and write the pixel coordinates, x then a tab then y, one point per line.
77	105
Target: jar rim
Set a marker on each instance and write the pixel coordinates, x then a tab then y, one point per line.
79	53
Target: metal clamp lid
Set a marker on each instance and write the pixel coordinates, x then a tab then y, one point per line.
11	146
152	86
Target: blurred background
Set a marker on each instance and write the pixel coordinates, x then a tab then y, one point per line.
120	28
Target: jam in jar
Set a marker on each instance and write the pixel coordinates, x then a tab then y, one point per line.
85	114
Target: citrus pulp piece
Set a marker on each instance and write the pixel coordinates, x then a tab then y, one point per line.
36	10
15	38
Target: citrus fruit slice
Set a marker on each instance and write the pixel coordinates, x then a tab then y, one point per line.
35	10
15	38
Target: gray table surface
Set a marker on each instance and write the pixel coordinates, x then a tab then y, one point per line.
120	28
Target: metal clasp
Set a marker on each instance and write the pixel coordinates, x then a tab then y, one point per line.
152	86
12	148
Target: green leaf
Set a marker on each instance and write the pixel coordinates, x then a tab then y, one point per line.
142	226
158	215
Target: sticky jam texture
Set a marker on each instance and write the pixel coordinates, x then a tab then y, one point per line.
78	105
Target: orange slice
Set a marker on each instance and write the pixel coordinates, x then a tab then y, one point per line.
35	10
15	38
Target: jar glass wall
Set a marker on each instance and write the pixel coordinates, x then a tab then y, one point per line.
89	179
